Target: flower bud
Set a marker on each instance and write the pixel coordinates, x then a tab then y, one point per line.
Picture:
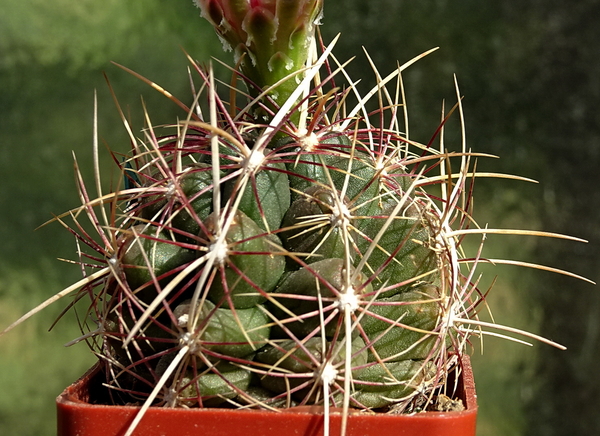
270	38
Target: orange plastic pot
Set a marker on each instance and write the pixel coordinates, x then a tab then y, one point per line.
77	416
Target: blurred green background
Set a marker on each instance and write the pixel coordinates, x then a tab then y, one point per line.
530	74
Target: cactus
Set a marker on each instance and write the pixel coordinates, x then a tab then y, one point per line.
281	253
298	250
256	270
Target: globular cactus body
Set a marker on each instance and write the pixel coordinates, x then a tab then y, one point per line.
280	254
312	260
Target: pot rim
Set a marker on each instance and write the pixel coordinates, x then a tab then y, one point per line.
77	416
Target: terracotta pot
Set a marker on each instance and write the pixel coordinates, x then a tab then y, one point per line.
78	416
